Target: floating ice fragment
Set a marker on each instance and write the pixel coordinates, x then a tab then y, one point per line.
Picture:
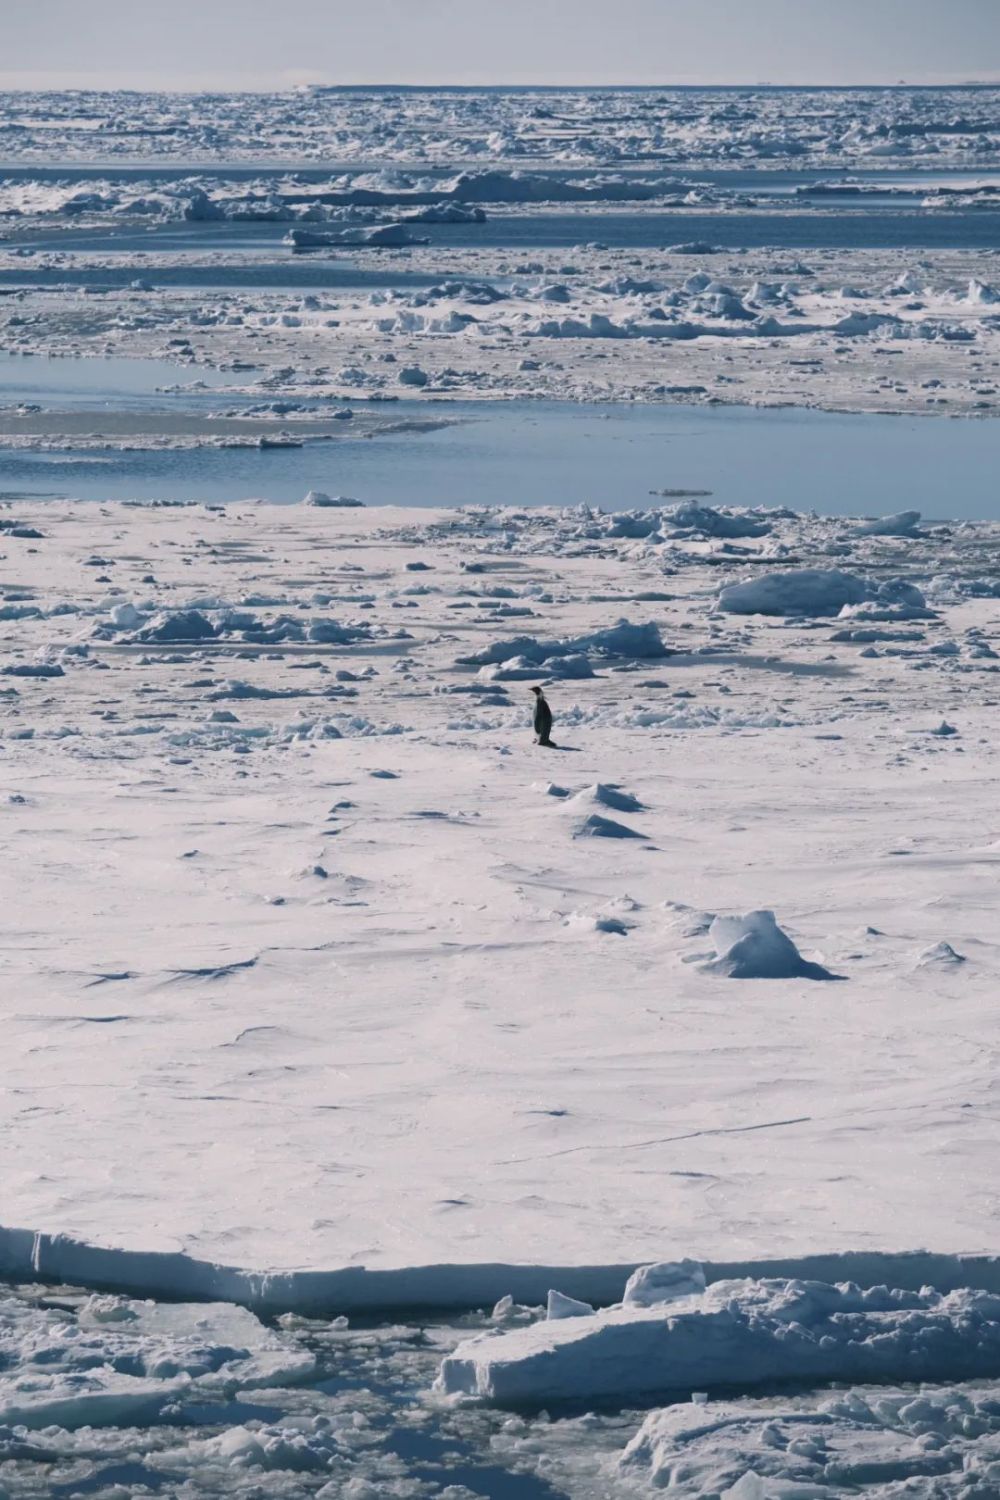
33	669
688	516
809	591
980	292
184	625
621	639
605	795
332	502
815	591
904	523
331	632
126	616
120	1361
879	1440
598	922
380	236
561	1306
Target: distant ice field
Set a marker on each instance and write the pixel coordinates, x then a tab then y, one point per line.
656	247
749	178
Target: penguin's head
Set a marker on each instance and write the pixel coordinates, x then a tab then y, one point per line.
537	691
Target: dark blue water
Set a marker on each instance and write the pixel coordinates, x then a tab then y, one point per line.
884	228
285	273
551	453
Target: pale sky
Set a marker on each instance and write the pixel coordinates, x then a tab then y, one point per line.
276	43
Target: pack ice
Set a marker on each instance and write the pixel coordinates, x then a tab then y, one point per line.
120	1362
484	303
926	1443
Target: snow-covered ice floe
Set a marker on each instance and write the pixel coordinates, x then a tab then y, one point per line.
730	1334
266	797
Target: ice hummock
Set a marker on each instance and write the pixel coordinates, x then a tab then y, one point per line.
822	591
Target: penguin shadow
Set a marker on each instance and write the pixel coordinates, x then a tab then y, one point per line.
564	749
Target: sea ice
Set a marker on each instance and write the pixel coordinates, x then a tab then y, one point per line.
122	1361
742	1333
809	591
876	1441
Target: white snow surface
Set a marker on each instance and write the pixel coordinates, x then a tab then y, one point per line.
304	972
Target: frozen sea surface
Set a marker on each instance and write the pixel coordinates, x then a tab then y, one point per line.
344	902
370	1011
761	128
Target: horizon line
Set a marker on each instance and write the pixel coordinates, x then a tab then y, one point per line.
503	87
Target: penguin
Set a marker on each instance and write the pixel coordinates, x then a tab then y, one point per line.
543	719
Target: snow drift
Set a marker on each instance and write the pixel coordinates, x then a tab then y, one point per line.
380	236
754	947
